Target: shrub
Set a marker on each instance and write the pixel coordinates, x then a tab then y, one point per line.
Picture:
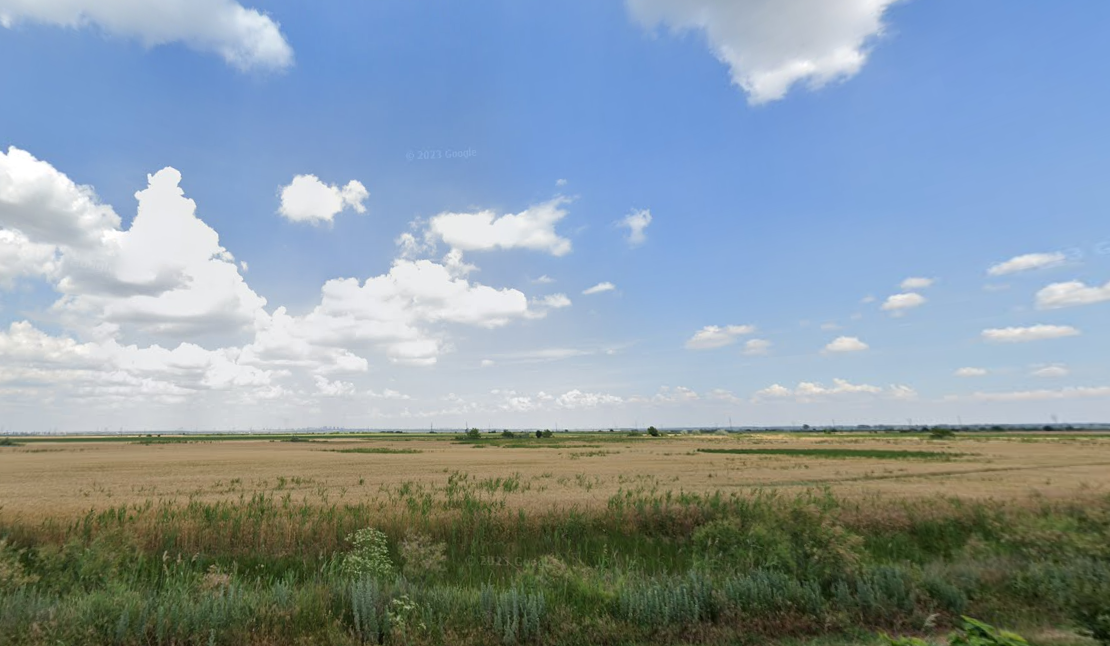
473	434
514	615
1090	603
369	556
12	573
421	558
652	431
370	623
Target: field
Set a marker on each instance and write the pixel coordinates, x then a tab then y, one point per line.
571	539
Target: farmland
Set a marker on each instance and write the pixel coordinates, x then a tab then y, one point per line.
612	538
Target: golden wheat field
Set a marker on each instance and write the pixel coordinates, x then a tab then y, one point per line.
59	479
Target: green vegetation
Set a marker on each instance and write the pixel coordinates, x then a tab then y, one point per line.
7	441
972	633
452	564
376	450
878	454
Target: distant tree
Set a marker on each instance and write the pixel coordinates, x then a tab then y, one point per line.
941	433
507	434
805	427
539	434
548	433
473	434
1047	427
652	431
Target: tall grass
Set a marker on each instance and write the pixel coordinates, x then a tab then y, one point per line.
653	567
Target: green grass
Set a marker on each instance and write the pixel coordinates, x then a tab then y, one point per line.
652	568
376	450
877	454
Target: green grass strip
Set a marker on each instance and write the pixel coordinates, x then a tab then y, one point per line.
877	454
376	449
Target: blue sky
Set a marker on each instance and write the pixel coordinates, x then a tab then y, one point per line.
798	161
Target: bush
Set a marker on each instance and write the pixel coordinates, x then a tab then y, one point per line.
652	431
474	434
421	558
369	556
12	573
804	543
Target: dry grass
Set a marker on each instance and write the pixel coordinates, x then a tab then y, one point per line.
60	480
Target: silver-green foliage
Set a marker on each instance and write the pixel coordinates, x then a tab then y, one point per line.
368	618
516	616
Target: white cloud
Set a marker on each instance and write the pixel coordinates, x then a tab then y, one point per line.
244	38
676	395
486	363
769	45
600	288
846	344
712	336
307	199
971	372
166	276
899	303
136	304
544	280
1071	294
533	228
560	182
552	302
637	223
911	284
807	391
1052	371
334	388
1030	333
1081	392
757	347
1027	262
578	399
48	207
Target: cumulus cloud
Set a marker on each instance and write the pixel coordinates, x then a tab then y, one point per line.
770	45
307	199
577	399
757	347
48	207
1027	262
600	288
245	38
971	372
1030	333
912	283
845	344
807	391
711	337
160	313
637	223
898	303
533	229
1071	294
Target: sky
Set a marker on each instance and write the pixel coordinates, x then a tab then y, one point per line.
585	214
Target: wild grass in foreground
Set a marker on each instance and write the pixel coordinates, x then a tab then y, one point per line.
451	565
